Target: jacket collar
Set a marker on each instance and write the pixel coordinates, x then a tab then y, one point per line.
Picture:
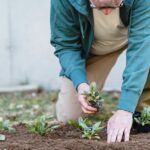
82	6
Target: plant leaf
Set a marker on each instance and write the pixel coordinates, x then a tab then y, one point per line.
2	137
92	87
96	126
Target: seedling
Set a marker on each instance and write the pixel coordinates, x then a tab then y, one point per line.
144	119
2	137
5	125
90	131
94	96
40	125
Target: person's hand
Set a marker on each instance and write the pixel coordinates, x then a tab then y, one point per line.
119	126
86	108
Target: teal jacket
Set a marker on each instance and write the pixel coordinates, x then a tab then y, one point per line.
72	36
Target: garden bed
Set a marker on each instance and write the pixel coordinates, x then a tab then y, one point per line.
67	138
26	107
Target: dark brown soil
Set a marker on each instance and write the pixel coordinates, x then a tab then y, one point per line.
68	138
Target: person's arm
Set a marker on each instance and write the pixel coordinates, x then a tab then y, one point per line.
138	56
66	38
135	74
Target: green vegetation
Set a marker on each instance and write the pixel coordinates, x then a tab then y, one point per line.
2	137
21	107
35	110
90	130
94	97
41	125
5	125
144	119
24	107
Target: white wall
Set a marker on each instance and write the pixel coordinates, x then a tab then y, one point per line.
114	79
25	53
4	45
32	59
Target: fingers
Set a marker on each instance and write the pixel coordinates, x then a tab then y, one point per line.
120	135
86	111
109	135
127	134
112	135
85	107
119	126
115	135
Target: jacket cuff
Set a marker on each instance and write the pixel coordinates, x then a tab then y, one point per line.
128	100
78	77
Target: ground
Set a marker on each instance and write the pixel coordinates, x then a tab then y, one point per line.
19	107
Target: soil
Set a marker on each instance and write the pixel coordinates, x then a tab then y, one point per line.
68	138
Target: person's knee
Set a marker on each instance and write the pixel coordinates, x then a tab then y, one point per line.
67	107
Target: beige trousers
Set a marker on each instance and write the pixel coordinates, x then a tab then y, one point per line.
98	68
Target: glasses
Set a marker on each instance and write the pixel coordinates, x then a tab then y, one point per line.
93	5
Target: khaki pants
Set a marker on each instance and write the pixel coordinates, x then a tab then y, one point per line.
98	68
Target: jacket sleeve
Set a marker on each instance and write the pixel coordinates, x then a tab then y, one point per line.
66	38
138	56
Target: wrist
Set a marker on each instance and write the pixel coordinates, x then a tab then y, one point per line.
82	87
120	111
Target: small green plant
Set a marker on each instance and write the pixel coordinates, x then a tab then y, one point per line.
5	125
2	137
41	126
94	96
90	131
144	119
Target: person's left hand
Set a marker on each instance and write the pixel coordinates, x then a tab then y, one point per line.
119	126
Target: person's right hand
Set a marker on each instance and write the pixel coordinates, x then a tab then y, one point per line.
86	108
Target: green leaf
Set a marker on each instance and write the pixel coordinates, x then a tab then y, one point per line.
137	120
96	125
89	131
82	123
2	137
92	86
145	117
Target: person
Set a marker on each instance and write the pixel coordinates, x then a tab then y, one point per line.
88	37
